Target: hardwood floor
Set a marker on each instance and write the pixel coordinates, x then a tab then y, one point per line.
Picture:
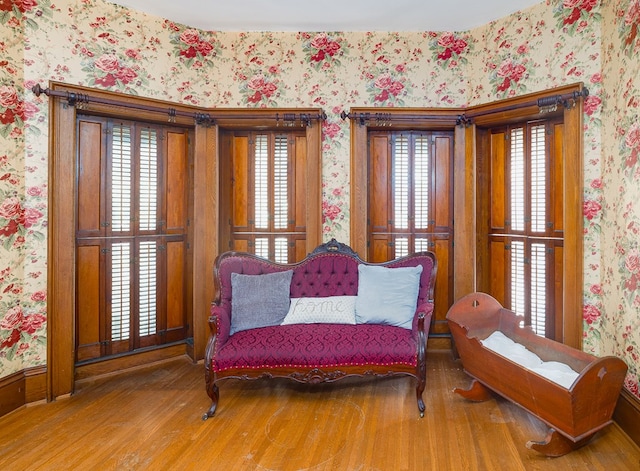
150	418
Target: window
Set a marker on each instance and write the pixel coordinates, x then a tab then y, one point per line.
409	172
131	236
526	235
268	215
410	203
410	156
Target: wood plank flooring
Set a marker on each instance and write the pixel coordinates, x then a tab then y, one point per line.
150	419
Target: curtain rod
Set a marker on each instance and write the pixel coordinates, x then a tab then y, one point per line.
547	104
386	119
80	100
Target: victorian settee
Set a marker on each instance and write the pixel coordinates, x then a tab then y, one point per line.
327	317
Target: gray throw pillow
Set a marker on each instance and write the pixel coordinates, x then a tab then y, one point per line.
259	300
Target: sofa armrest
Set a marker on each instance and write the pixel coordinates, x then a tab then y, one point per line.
422	320
219	323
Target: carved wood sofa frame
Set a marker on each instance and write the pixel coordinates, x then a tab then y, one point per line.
403	350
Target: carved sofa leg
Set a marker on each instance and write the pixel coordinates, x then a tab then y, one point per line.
421	370
421	406
214	394
419	391
556	444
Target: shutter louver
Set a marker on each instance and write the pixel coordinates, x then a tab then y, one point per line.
517	278
538	179
281	183
538	288
401	183
148	198
120	291
401	247
147	288
421	183
121	179
281	250
517	180
422	245
262	247
261	192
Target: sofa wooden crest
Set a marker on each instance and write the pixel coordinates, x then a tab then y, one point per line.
316	352
574	414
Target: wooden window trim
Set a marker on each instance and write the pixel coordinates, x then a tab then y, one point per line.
468	148
205	203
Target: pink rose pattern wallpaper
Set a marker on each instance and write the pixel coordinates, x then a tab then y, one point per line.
98	44
616	309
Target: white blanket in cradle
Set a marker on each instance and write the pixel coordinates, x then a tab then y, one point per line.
555	371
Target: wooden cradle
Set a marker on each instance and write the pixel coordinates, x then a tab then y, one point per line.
574	415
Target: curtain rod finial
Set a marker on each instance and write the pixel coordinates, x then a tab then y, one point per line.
38	90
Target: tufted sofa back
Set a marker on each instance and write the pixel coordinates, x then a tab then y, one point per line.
325	275
318	275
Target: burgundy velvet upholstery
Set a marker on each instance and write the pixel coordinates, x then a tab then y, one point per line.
317	345
326	274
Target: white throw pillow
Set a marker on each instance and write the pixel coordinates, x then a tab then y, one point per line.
331	309
387	295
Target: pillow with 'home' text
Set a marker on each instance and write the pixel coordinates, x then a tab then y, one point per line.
329	309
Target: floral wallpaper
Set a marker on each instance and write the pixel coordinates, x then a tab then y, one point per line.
23	205
615	301
99	44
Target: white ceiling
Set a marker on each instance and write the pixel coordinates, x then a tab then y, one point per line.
330	15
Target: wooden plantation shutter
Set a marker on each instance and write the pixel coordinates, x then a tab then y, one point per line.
131	236
409	192
268	210
525	242
410	200
422	192
380	197
90	246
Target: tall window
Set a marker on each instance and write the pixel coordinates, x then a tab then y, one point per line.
268	205
131	236
410	198
526	221
410	156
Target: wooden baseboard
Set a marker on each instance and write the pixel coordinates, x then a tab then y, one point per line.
439	343
627	415
126	362
21	388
